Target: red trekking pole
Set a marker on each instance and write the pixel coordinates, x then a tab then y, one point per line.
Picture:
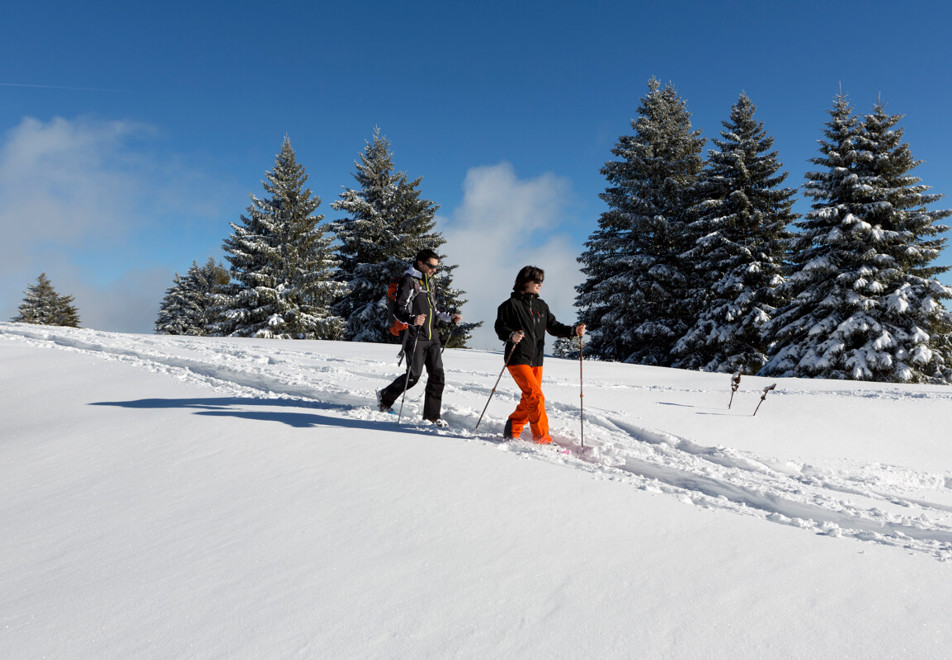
581	395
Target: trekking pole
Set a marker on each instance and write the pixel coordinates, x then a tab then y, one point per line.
763	396
735	383
581	395
448	338
406	382
506	364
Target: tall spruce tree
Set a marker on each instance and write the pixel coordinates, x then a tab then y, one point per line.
865	302
43	306
189	307
387	223
741	222
282	264
634	298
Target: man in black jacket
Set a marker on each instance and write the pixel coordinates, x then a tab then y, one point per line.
415	306
522	322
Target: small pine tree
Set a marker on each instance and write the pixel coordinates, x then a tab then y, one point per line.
177	310
387	224
634	298
43	306
738	258
189	304
66	313
865	304
282	264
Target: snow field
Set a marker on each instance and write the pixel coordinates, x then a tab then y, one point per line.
231	498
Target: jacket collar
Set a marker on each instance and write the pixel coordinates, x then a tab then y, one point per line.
414	273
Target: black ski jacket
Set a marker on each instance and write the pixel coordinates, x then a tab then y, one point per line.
414	297
529	313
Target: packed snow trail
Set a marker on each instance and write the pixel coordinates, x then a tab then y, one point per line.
871	503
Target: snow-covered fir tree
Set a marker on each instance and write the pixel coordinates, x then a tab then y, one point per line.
177	310
741	222
634	298
565	347
865	304
43	306
188	307
282	263
387	224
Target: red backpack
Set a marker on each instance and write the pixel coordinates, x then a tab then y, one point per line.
396	325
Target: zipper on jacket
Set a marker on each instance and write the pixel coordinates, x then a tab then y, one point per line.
429	302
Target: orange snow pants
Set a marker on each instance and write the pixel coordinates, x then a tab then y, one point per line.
531	407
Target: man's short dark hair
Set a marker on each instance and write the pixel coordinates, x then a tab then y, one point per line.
426	254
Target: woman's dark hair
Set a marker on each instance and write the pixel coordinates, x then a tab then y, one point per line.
526	275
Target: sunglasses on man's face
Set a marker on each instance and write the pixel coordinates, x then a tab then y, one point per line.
431	266
536	281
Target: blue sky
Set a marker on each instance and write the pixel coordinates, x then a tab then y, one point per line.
131	135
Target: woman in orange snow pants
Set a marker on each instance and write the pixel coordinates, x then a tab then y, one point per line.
522	322
531	407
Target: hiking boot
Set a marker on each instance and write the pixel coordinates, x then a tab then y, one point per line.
381	406
438	421
507	432
544	440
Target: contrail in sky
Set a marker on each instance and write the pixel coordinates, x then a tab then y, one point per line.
73	89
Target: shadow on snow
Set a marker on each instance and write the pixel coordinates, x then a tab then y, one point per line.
238	407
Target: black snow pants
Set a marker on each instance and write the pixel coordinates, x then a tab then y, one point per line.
427	354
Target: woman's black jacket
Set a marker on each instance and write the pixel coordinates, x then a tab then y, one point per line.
529	313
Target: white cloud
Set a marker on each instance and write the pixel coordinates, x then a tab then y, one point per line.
127	304
80	198
64	183
503	224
